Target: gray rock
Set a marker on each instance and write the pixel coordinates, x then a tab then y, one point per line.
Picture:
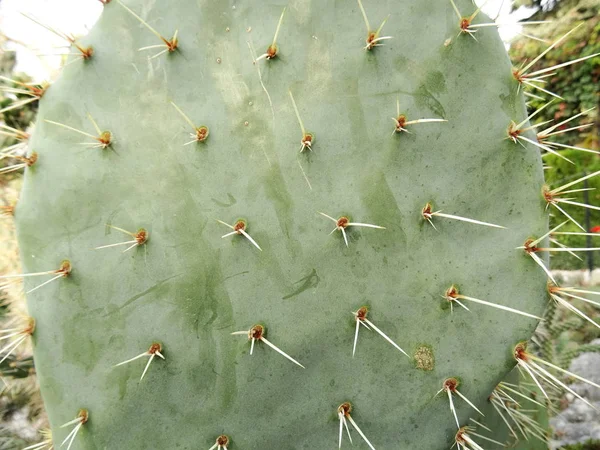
580	422
19	425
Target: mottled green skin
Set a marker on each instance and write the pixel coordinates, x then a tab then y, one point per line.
189	289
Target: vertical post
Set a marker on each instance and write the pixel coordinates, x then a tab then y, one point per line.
588	239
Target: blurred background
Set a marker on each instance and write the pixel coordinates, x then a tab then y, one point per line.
32	54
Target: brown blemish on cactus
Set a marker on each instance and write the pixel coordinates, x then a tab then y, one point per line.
26	161
30	328
32	159
307	140
424	358
517	75
426	212
459	437
528	247
271	52
141	236
450	384
345	409
400	122
84	416
155	348
520	351
548	194
171	44
202	133
240	226
86	52
371	40
513	131
451	293
221	443
342	222
465	23
256	332
65	268
361	314
105	139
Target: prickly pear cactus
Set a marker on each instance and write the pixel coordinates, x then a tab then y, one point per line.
288	137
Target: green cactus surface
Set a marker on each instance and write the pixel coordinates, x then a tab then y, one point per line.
181	290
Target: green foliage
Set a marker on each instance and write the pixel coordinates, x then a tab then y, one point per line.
563	336
553	9
589	445
579	85
560	173
544	5
19	119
